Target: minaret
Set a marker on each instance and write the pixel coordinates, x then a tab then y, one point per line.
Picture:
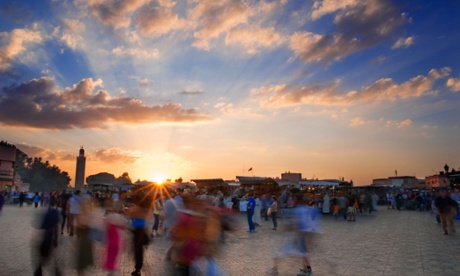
80	172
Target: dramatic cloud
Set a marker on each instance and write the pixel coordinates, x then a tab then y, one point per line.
359	25
403	42
213	18
71	34
116	14
157	21
116	156
14	43
138	53
277	96
254	38
453	84
45	154
39	103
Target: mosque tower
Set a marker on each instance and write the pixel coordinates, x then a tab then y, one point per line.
80	172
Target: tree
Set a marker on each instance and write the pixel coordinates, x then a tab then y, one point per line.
446	168
179	180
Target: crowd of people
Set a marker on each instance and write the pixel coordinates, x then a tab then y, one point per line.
195	222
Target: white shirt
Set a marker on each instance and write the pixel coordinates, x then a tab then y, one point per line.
74	203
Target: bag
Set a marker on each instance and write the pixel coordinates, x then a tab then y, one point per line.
269	211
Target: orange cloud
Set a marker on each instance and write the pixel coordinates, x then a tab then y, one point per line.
254	38
116	155
278	96
116	14
16	43
453	84
403	42
39	103
157	21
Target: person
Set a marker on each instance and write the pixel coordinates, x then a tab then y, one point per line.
351	208
251	205
326	204
22	197
274	212
305	220
73	211
2	200
157	209
138	214
84	244
64	213
171	208
374	199
48	241
114	222
36	199
256	217
444	205
264	207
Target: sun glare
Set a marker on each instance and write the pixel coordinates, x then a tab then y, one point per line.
159	178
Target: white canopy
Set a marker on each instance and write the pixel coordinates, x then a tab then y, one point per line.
318	183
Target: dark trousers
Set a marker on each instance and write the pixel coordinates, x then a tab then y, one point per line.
139	240
274	219
157	222
64	217
250	222
21	202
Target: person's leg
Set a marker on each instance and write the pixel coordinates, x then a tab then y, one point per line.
444	222
70	224
274	219
250	222
138	250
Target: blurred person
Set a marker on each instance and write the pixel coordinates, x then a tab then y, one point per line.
36	199
305	220
157	209
256	216
374	199
114	223
445	205
251	205
274	212
22	197
351	208
2	200
138	214
326	204
64	214
264	206
48	241
84	244
171	208
73	211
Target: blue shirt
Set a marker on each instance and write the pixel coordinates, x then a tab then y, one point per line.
251	204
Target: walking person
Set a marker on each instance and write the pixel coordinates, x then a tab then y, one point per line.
2	200
114	223
256	217
64	213
36	199
22	197
264	206
157	209
251	205
445	206
274	212
48	241
138	214
84	252
73	211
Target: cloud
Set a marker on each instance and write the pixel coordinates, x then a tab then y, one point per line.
254	38
157	21
398	124
192	93
324	7
116	156
213	18
39	103
385	89
144	82
116	14
453	84
136	52
15	43
378	60
71	33
359	25
357	121
403	42
45	154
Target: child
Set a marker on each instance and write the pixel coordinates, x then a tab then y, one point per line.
336	210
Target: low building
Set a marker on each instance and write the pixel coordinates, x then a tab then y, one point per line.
291	177
437	181
7	160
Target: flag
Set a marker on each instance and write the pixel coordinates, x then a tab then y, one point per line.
250	169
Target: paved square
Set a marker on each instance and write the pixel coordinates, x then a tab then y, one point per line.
387	242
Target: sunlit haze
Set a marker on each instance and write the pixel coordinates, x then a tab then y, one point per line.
208	89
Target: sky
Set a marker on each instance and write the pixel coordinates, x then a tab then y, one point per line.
161	89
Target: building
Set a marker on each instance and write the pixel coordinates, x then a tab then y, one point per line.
437	180
80	171
7	160
291	177
408	182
